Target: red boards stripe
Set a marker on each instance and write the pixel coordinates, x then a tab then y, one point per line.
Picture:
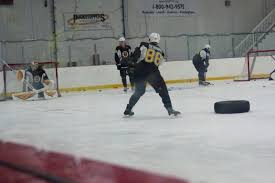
65	168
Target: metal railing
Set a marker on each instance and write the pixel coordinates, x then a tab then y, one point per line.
257	34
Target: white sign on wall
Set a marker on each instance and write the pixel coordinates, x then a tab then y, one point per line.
168	8
86	21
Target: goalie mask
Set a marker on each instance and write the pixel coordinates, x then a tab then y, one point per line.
34	65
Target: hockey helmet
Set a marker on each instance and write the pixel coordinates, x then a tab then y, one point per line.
207	46
122	39
154	38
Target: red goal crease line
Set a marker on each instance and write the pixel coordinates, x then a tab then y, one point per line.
24	164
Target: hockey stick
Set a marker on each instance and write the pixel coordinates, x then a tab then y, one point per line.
24	95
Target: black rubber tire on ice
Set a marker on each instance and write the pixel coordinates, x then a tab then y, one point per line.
232	107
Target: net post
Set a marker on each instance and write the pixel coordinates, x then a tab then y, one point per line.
248	65
5	82
57	79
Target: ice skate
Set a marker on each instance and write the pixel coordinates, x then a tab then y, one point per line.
173	112
128	111
204	83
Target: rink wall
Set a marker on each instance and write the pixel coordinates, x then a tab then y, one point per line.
24	38
104	77
74	79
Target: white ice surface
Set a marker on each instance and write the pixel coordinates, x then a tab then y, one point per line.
200	146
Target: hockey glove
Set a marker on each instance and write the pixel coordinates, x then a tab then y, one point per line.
118	66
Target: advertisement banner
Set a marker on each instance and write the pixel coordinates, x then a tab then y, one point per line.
168	8
86	21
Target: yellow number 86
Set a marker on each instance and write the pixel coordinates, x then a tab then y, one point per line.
153	56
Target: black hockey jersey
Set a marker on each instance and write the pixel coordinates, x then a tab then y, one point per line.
122	55
37	75
147	58
202	57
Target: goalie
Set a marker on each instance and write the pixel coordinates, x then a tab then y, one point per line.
36	82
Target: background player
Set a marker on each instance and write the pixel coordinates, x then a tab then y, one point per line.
123	52
147	57
201	63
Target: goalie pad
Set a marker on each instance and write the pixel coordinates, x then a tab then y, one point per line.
32	95
51	93
48	90
48	84
23	95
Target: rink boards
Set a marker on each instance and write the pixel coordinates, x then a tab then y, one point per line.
75	79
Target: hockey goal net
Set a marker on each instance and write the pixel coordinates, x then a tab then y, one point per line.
11	85
259	64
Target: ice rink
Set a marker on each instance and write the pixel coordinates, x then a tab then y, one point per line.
199	146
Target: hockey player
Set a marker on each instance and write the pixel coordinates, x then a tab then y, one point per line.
123	52
37	77
201	63
146	58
